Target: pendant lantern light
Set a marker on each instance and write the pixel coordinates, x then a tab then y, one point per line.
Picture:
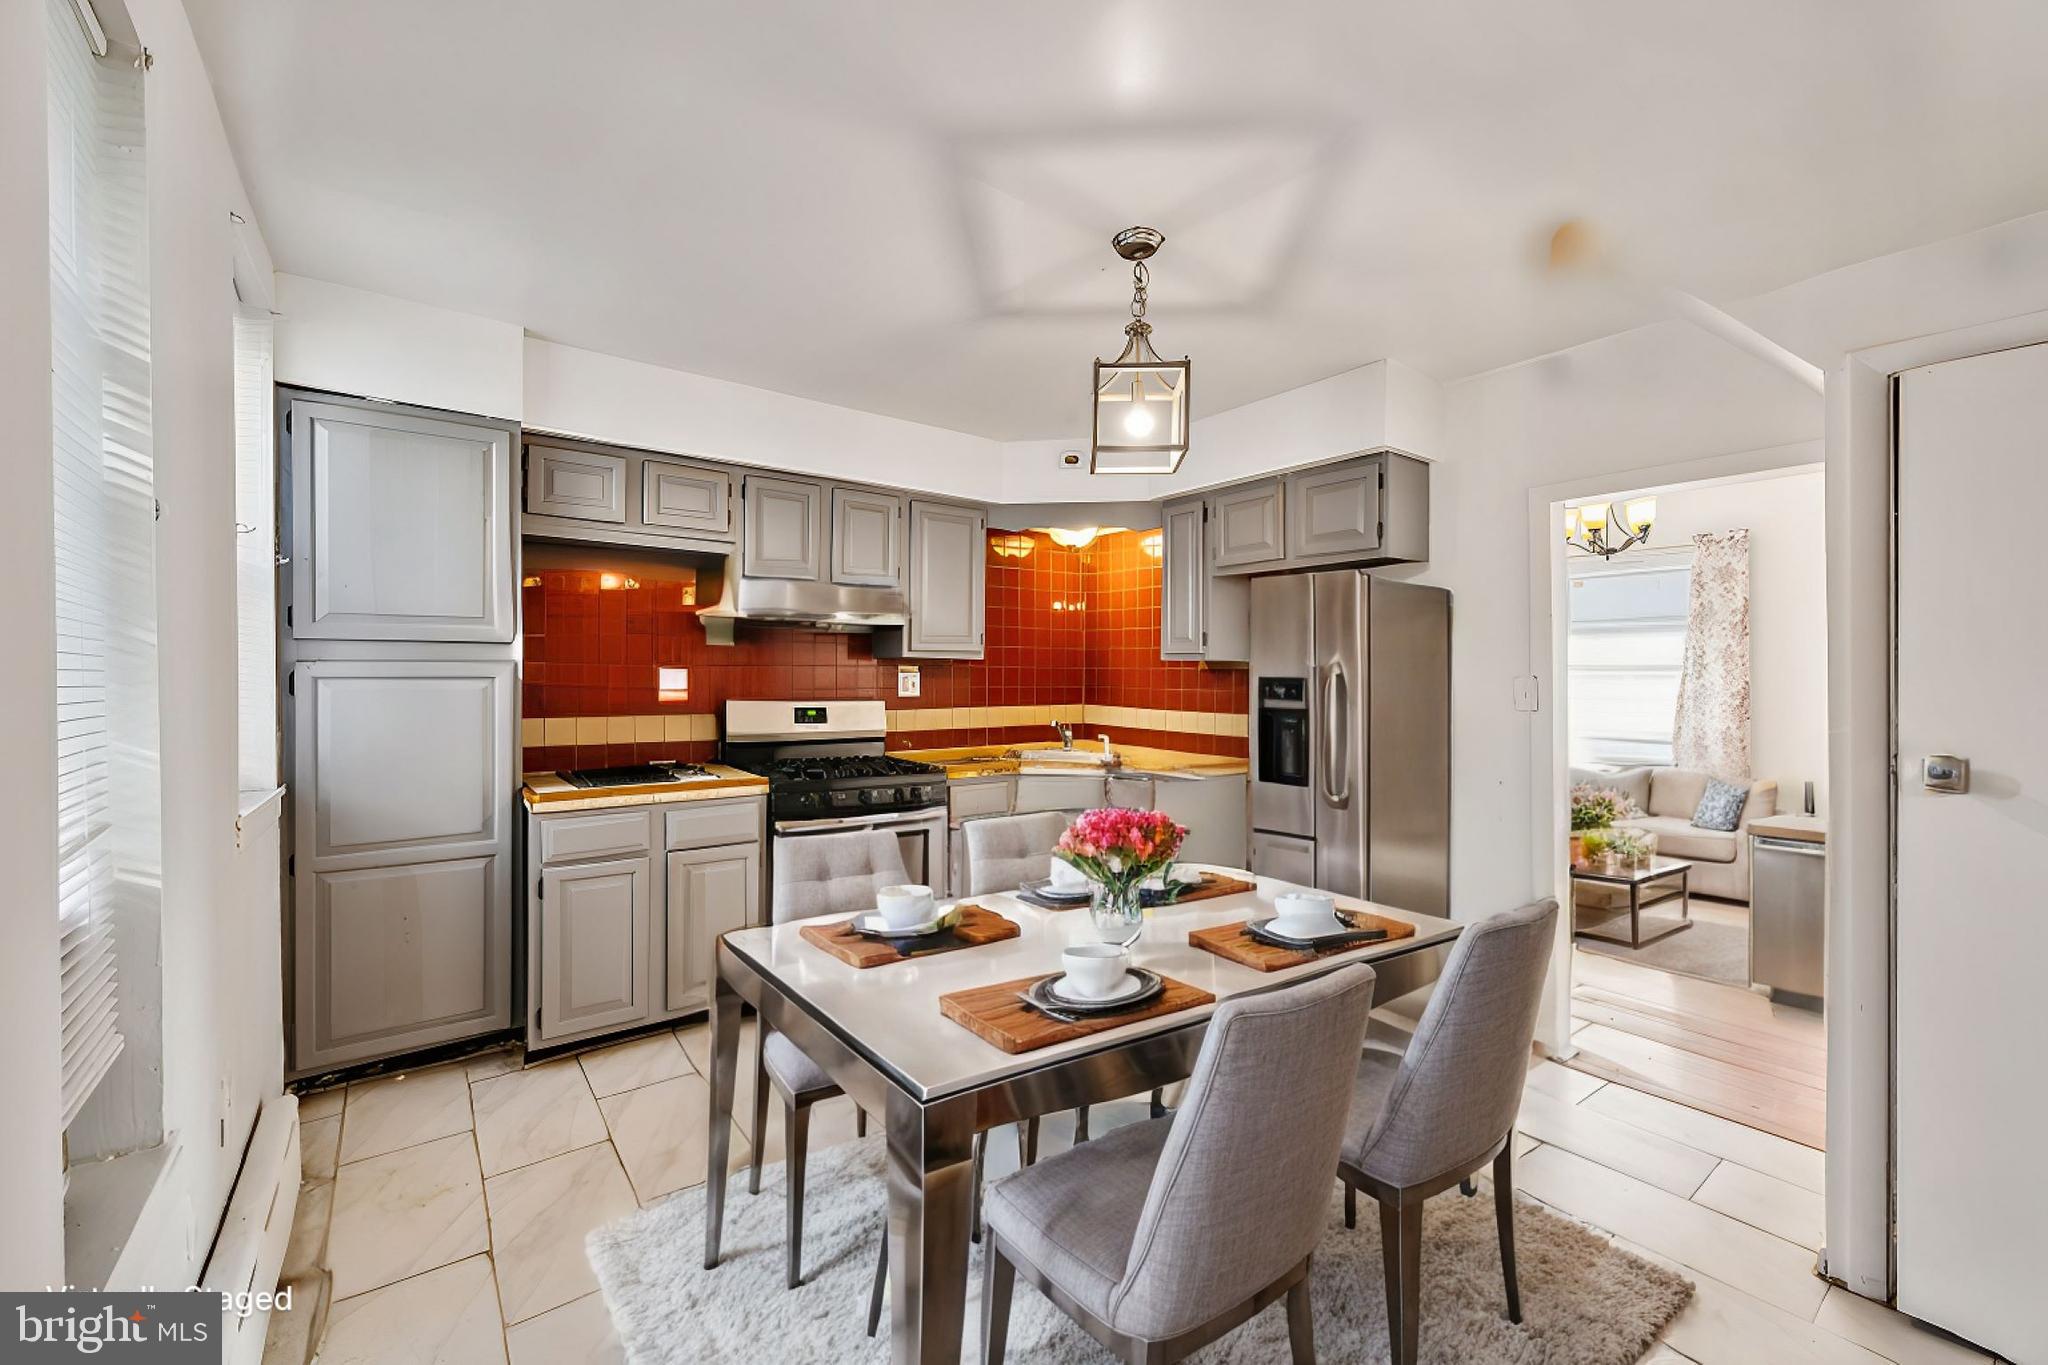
1141	401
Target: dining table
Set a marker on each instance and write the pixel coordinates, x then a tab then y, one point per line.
880	1035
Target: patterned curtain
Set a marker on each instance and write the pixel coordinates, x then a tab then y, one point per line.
1711	731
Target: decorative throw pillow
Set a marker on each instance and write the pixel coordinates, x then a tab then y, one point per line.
1720	805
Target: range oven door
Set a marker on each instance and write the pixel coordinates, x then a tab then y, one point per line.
921	834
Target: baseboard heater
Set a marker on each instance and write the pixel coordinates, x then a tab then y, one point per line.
248	1256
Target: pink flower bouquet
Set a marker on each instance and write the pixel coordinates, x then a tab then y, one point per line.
1118	849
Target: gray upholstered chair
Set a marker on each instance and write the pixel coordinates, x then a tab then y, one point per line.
1006	851
823	874
1427	1119
1163	1236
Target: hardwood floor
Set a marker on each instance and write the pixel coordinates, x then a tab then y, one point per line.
1716	1048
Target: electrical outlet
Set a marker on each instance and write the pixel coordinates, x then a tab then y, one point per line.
909	682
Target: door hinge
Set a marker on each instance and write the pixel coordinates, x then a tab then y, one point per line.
287	616
291	864
291	684
287	421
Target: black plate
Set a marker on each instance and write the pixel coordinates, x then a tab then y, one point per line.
1041	887
1040	996
1353	938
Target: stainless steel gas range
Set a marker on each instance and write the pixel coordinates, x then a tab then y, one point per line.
827	773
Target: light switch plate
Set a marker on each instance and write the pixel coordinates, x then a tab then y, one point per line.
1525	692
909	682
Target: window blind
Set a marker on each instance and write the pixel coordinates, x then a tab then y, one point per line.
108	816
1627	647
255	554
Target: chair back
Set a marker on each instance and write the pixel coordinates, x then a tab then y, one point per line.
1006	851
1459	1086
1242	1189
833	874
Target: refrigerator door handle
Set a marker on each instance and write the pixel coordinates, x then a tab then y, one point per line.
1336	734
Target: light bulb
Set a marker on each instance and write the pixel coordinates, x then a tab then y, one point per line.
1138	421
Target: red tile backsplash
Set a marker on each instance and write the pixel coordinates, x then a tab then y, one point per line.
1063	627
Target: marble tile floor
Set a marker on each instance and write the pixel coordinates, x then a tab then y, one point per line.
443	1212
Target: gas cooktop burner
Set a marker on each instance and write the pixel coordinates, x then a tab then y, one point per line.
842	767
633	775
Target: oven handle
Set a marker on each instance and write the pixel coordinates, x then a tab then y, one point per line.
831	822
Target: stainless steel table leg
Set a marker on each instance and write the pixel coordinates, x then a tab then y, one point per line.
725	1055
1635	914
931	1191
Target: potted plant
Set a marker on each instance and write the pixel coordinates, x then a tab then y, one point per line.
1117	849
1593	808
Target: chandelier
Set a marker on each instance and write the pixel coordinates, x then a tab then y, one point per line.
1598	529
1141	401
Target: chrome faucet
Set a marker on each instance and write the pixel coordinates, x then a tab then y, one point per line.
1066	733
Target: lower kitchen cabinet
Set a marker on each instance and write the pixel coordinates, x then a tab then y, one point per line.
593	925
711	891
624	908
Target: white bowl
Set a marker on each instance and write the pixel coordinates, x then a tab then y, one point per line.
1094	970
1304	914
902	906
1067	877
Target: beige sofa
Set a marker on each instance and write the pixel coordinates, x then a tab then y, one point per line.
1668	797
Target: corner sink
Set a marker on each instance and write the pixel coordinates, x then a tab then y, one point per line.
1094	756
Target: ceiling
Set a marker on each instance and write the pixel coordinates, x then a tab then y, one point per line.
906	208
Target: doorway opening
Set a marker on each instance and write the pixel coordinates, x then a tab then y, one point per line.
1694	691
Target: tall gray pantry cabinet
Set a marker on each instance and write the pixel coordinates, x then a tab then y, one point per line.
400	575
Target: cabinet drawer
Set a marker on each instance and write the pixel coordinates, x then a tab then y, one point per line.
713	823
969	800
603	835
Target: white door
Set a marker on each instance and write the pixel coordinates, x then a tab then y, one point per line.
1971	1093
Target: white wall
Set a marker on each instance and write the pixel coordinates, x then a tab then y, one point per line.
1788	640
31	1154
353	341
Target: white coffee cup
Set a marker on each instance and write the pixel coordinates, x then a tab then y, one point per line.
1094	970
1067	877
903	906
1302	914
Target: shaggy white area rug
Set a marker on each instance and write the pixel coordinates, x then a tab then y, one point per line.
1584	1301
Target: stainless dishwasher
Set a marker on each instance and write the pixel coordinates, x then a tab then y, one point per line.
1787	907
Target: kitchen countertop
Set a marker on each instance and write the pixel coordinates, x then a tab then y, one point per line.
548	792
991	760
1809	829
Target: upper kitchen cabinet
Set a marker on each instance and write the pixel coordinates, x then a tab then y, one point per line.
867	538
784	521
1201	616
680	496
575	483
1335	510
402	523
1246	525
947	583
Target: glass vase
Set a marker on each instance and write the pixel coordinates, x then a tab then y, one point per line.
1118	912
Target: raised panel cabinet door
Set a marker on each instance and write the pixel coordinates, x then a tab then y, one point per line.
867	538
401	524
593	946
575	483
784	528
711	891
948	564
1186	580
685	497
390	959
1246	525
1335	511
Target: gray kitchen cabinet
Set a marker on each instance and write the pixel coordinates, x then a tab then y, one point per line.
400	873
867	538
593	946
1247	525
693	498
1185	593
784	518
711	891
580	484
1058	791
402	524
1336	510
947	585
1129	793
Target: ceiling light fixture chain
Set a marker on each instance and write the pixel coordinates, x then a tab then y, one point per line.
1141	400
1140	279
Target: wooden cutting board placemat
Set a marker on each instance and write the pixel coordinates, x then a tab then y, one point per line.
976	927
1232	942
1212	884
998	1015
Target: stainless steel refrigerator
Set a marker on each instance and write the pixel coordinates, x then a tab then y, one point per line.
1351	736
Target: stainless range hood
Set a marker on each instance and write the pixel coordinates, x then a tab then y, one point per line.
813	604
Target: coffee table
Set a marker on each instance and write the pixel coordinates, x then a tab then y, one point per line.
1635	879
